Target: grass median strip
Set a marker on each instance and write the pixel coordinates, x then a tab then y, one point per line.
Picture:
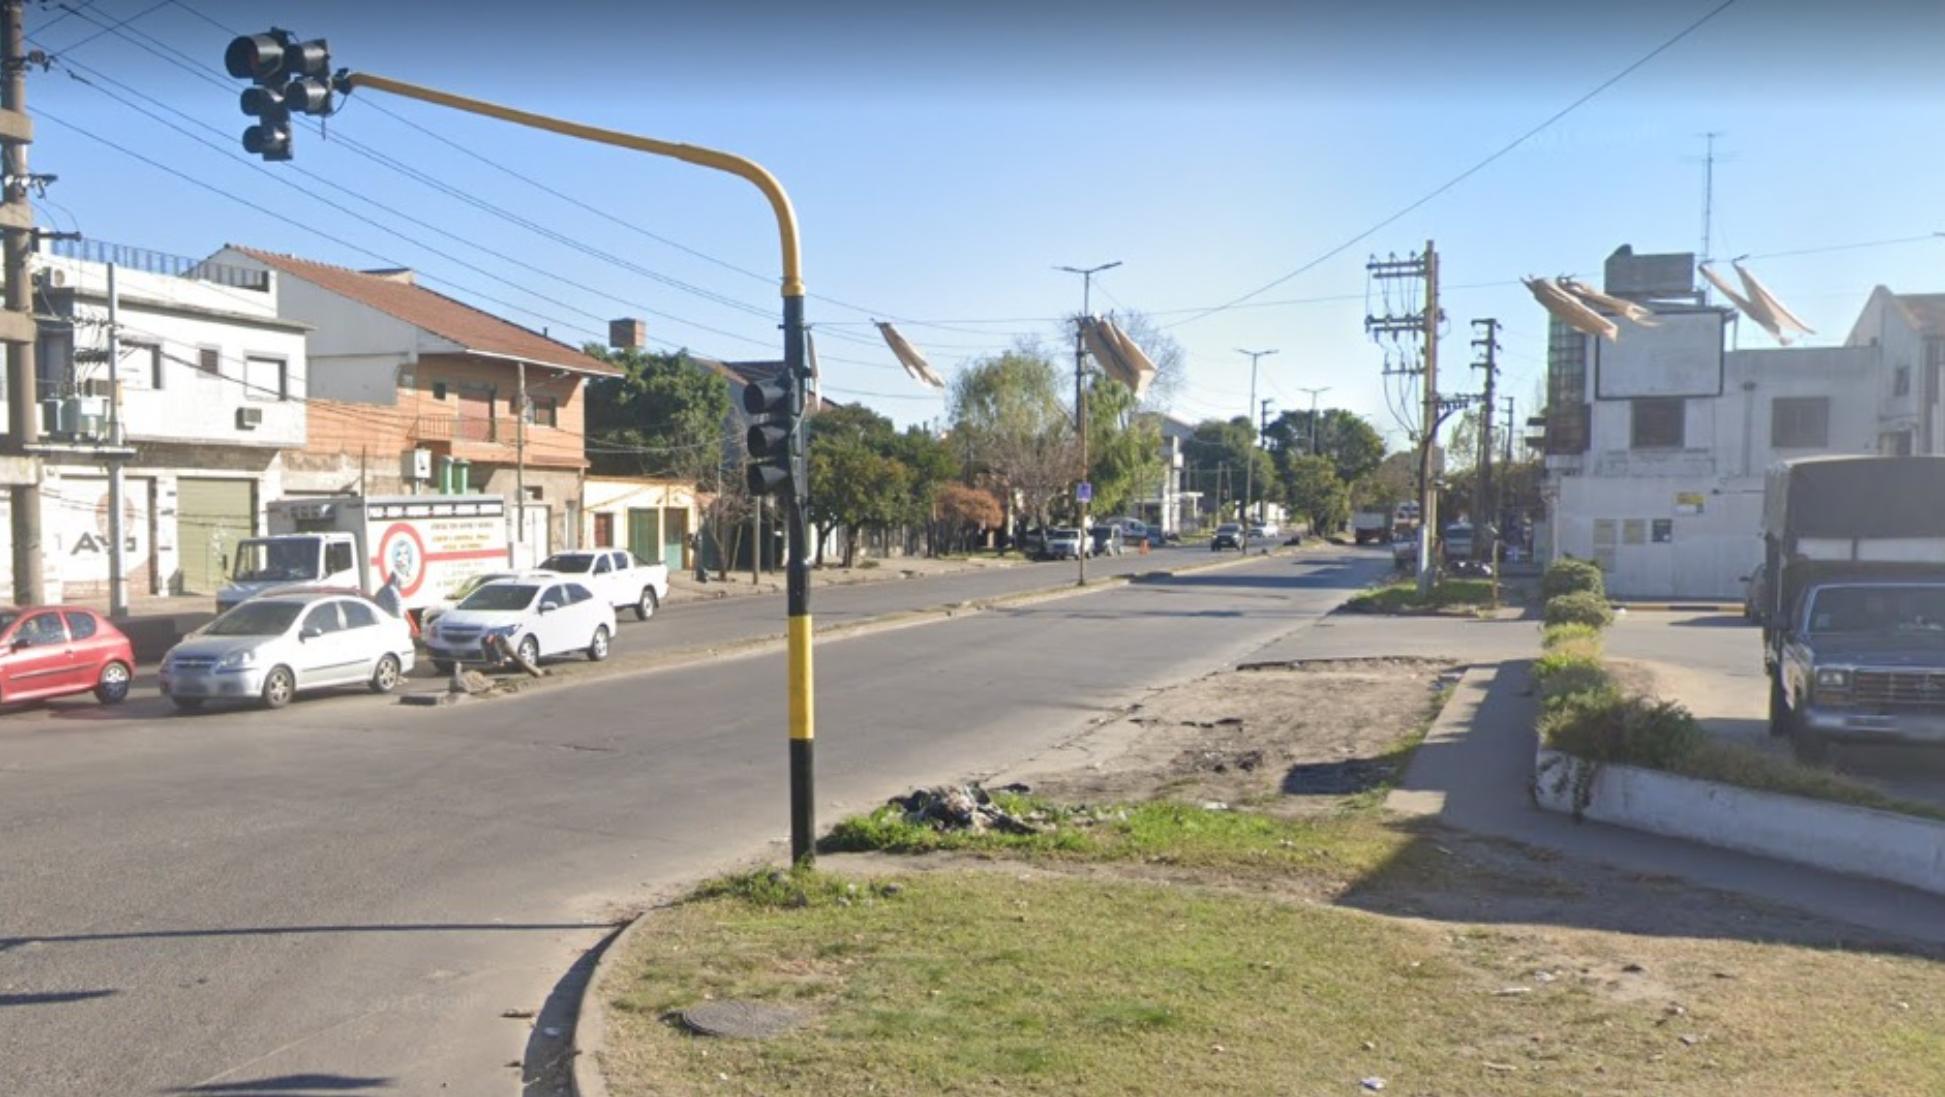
1447	596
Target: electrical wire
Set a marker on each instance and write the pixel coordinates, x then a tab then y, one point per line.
1469	172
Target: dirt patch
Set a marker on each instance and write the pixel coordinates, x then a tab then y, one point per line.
1281	739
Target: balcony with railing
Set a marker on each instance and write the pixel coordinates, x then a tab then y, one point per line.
150	261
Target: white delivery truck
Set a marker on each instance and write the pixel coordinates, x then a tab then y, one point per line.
430	543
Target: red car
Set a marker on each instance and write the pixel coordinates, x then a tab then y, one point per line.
52	651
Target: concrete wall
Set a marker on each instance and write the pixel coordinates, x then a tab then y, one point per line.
615	496
1883	324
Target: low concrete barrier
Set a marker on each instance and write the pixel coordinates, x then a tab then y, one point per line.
1882	845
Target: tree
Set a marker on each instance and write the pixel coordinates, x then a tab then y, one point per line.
964	512
1353	445
1007	411
1123	447
663	417
1314	490
855	487
1394	481
1231	445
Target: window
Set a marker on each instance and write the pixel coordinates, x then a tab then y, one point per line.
1799	422
323	618
1657	422
337	558
1901	381
41	629
210	361
265	379
604	530
555	598
621	561
54	360
438	390
603	564
358	615
146	357
546	411
576	593
81	625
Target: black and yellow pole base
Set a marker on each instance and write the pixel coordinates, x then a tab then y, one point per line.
803	697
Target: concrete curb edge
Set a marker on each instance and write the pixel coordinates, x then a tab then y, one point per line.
1842	838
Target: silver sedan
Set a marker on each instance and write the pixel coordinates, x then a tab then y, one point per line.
275	646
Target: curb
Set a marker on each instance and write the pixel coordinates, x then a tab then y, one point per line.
1680	607
589	1038
1842	838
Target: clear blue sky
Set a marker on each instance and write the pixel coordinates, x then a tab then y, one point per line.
943	162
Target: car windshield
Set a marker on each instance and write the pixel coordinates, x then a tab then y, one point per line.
256	619
1228	527
1879	609
571	564
500	596
1064	533
469	586
293	561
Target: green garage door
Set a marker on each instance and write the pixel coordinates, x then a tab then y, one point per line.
211	517
645	534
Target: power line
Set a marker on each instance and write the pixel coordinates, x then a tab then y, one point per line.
1471	171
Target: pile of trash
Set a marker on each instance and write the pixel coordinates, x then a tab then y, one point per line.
961	807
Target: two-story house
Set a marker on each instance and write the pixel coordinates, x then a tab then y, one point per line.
1658	441
1909	330
398	368
207	392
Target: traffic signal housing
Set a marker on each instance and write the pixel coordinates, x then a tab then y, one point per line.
287	76
772	408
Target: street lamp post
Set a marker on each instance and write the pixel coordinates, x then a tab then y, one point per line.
1313	416
1080	403
270	58
1249	469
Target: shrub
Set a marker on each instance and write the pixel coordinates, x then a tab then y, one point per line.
1601	725
1561	673
1569	576
1582	607
1569	635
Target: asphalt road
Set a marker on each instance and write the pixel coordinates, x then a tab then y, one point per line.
344	897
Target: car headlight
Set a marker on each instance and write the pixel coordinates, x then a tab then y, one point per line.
237	660
1833	678
502	630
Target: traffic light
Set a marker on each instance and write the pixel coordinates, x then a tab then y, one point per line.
288	76
772	406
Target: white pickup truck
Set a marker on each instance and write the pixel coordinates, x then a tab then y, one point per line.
615	575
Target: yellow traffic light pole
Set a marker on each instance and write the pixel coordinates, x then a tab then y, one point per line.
802	706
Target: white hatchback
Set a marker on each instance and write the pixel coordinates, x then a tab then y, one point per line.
535	617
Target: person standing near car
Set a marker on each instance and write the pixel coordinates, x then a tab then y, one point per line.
388	597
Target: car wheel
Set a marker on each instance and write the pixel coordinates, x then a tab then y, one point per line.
598	647
1779	710
647	605
112	688
279	686
187	704
384	677
529	650
442	666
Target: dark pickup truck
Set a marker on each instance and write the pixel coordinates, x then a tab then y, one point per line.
1853	601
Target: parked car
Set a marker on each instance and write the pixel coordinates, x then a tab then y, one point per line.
1063	543
616	576
1032	543
277	645
536	618
1404	552
1262	531
54	651
1228	535
1458	541
458	594
1105	541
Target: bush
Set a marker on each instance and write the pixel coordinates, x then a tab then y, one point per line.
1570	576
1561	673
1601	725
1569	635
1582	607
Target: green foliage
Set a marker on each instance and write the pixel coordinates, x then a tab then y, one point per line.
663	417
1008	421
775	888
1581	607
1570	636
854	486
1602	725
1403	597
1393	481
1569	576
1351	444
1124	447
1231	445
1562	673
1312	488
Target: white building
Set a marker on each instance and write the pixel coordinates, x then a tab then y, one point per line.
1657	442
1909	330
211	387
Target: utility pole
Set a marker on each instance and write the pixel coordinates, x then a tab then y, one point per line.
1708	203
756	541
1423	324
1487	503
1249	470
520	465
1511	424
1080	405
117	537
1313	416
17	326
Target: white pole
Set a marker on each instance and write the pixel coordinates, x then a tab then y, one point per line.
117	574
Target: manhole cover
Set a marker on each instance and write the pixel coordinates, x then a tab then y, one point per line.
741	1020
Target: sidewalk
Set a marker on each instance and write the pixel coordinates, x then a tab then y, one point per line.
1473	771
